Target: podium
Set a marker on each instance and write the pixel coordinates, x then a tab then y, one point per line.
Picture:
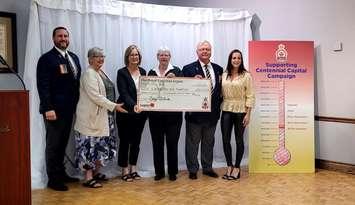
15	174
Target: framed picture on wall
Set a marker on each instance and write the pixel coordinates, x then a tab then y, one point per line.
8	41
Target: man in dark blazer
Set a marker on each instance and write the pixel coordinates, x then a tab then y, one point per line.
201	126
58	74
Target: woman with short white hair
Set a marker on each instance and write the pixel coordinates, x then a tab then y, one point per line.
165	126
95	137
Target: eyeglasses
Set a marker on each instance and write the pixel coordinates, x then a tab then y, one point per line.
99	56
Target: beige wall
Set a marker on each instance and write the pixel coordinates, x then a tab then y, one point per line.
21	8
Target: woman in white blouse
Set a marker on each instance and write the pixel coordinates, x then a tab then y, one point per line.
238	100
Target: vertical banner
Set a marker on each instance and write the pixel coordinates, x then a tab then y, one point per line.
281	134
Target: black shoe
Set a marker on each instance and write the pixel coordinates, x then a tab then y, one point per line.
210	173
57	186
192	175
67	178
173	177
158	177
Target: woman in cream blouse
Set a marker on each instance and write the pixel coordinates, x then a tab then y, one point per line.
95	138
238	100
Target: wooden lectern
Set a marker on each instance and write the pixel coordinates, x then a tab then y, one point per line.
15	176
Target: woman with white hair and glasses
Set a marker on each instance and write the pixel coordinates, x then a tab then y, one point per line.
95	137
165	126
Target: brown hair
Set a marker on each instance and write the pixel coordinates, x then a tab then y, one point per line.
128	52
241	68
59	28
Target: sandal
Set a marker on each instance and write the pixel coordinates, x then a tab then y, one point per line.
100	177
92	183
135	176
127	178
227	175
231	177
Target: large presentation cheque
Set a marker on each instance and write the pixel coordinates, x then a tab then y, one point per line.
174	94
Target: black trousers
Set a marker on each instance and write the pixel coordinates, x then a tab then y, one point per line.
165	127
130	128
57	135
228	120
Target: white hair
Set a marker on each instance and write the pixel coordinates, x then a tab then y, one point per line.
203	42
95	51
163	49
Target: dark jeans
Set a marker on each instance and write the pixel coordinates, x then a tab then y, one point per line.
228	120
130	128
57	135
162	128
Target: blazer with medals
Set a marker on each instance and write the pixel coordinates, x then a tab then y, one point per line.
58	89
193	69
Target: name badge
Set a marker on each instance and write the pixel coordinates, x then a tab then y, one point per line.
63	69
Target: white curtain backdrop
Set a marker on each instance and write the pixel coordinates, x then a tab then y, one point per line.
114	25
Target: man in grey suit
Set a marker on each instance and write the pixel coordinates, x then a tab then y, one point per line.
201	126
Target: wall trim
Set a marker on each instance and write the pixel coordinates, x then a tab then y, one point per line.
334	119
335	166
